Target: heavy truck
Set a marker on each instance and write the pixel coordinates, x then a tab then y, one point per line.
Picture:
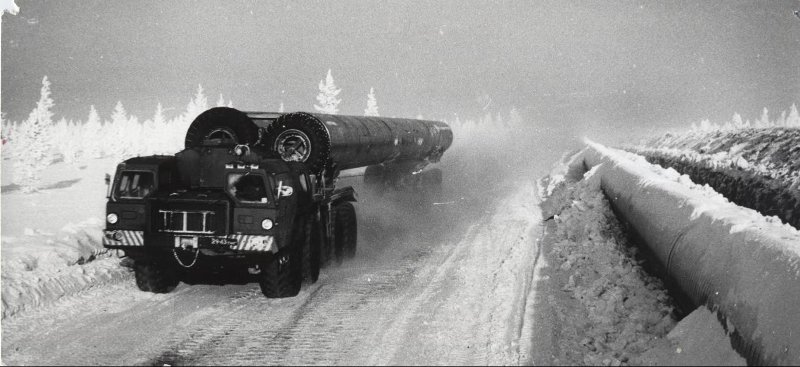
256	192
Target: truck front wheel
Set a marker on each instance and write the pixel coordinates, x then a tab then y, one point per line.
281	274
346	229
153	276
312	251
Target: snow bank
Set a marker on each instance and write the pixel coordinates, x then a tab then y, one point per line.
622	311
755	168
39	267
699	339
733	259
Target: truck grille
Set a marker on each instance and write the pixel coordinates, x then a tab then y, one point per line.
183	221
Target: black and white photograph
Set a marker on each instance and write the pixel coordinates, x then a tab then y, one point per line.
390	182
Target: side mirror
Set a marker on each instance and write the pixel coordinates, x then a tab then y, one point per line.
108	186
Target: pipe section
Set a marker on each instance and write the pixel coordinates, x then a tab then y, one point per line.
355	141
721	255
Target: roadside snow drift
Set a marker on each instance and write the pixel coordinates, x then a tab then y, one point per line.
727	257
754	168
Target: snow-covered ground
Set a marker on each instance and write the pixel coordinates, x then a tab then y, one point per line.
51	238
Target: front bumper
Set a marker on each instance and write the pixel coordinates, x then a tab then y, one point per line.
125	239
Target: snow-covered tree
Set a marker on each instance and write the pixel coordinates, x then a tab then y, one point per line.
793	120
763	121
159	130
70	142
328	103
92	137
197	105
782	119
119	115
372	104
125	135
220	101
280	108
33	146
737	122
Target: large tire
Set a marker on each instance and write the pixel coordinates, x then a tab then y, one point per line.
312	254
154	276
300	137
346	228
281	275
222	121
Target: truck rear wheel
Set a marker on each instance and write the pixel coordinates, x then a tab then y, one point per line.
281	275
152	276
346	229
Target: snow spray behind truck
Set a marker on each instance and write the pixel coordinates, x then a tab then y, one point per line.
257	191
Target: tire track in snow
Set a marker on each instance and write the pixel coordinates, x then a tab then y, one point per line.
414	295
471	310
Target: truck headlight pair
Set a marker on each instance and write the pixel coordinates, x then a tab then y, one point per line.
267	224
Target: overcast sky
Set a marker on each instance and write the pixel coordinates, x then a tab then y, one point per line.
615	65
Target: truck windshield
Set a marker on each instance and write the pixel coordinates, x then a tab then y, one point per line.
247	187
135	185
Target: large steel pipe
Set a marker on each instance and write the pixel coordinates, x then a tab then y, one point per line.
721	255
355	141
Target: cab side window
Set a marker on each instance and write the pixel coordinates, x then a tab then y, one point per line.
135	185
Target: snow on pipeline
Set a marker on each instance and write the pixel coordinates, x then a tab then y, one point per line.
607	309
754	168
731	259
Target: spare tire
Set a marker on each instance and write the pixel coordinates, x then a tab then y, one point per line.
222	126
300	137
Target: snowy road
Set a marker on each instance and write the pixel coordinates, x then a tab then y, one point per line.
447	287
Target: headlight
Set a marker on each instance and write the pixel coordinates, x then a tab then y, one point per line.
266	224
112	218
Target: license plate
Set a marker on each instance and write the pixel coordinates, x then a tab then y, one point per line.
186	242
219	241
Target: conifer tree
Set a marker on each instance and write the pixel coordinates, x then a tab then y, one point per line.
121	137
161	131
764	120
33	148
793	120
220	101
197	105
328	103
782	119
92	135
372	104
736	121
